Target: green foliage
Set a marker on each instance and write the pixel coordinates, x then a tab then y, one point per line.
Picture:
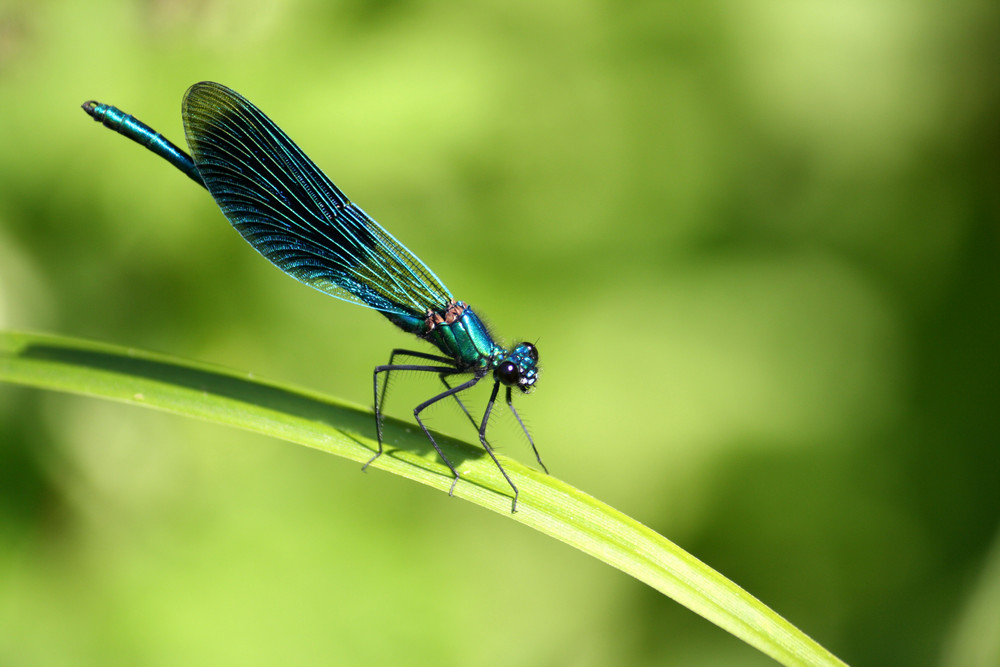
546	504
755	242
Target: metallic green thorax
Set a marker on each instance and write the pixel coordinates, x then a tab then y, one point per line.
461	335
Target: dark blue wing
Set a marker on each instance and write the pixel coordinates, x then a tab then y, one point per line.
291	213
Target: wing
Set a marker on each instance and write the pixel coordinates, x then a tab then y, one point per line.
291	213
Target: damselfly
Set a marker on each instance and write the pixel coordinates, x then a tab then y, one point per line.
293	215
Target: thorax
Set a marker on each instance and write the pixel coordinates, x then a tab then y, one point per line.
460	334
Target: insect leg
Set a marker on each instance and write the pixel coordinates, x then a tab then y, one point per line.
444	381
380	400
431	401
430	357
510	404
489	450
379	396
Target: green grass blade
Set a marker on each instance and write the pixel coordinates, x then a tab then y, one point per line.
310	419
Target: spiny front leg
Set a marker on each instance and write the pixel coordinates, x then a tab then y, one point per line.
489	450
379	396
420	408
531	441
399	352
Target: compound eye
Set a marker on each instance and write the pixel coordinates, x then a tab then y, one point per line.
532	351
508	373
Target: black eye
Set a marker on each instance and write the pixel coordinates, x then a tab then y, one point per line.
508	373
532	351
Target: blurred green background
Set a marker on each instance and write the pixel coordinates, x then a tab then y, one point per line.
756	243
